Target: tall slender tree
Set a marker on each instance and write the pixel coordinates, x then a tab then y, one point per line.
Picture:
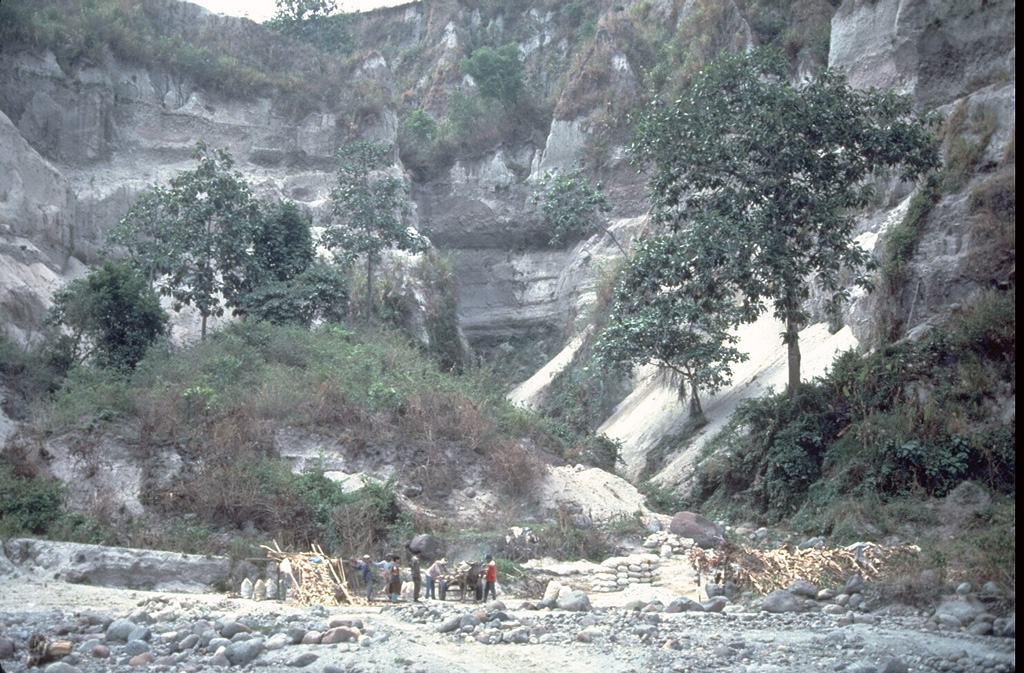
371	208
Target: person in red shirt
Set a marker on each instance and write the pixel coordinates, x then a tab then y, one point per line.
490	577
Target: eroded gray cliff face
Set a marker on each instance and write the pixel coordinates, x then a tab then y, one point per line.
111	129
37	212
958	58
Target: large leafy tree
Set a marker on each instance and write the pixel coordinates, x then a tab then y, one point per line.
760	179
371	207
193	237
663	315
110	317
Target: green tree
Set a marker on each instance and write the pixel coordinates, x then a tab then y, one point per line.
193	237
570	205
283	244
761	179
498	73
288	286
315	22
111	316
319	294
663	316
371	206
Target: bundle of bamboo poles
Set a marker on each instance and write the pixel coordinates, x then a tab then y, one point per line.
314	577
768	569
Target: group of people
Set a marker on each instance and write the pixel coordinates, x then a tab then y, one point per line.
391	572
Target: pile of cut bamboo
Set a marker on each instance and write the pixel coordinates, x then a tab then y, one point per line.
314	577
768	569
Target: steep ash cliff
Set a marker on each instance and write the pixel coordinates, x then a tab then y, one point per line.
79	139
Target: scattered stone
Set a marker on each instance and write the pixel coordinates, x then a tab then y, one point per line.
61	667
240	654
854	584
684	604
716	604
893	666
233	628
303	660
142	659
119	630
340	634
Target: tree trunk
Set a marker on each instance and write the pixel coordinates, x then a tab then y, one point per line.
696	411
202	329
793	345
369	286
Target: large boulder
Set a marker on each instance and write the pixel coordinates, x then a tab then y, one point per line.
964	608
427	546
780	601
119	567
705	533
573	600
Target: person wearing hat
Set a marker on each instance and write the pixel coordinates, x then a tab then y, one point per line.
490	577
436	569
365	569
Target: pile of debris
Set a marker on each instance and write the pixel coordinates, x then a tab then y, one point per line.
766	570
314	578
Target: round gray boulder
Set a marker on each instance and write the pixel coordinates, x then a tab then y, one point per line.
573	601
705	533
780	601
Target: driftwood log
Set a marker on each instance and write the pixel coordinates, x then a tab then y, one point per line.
41	649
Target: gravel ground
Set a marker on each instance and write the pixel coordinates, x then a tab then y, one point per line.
122	630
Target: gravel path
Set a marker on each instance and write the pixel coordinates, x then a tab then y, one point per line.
121	630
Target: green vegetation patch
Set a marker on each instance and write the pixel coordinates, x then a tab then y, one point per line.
858	451
245	61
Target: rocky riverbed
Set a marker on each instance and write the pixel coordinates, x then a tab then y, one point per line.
649	629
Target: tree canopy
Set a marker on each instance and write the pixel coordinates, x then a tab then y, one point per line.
111	317
371	208
288	285
193	237
283	243
498	73
315	22
760	179
662	316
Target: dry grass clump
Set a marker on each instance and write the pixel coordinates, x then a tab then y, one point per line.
516	467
